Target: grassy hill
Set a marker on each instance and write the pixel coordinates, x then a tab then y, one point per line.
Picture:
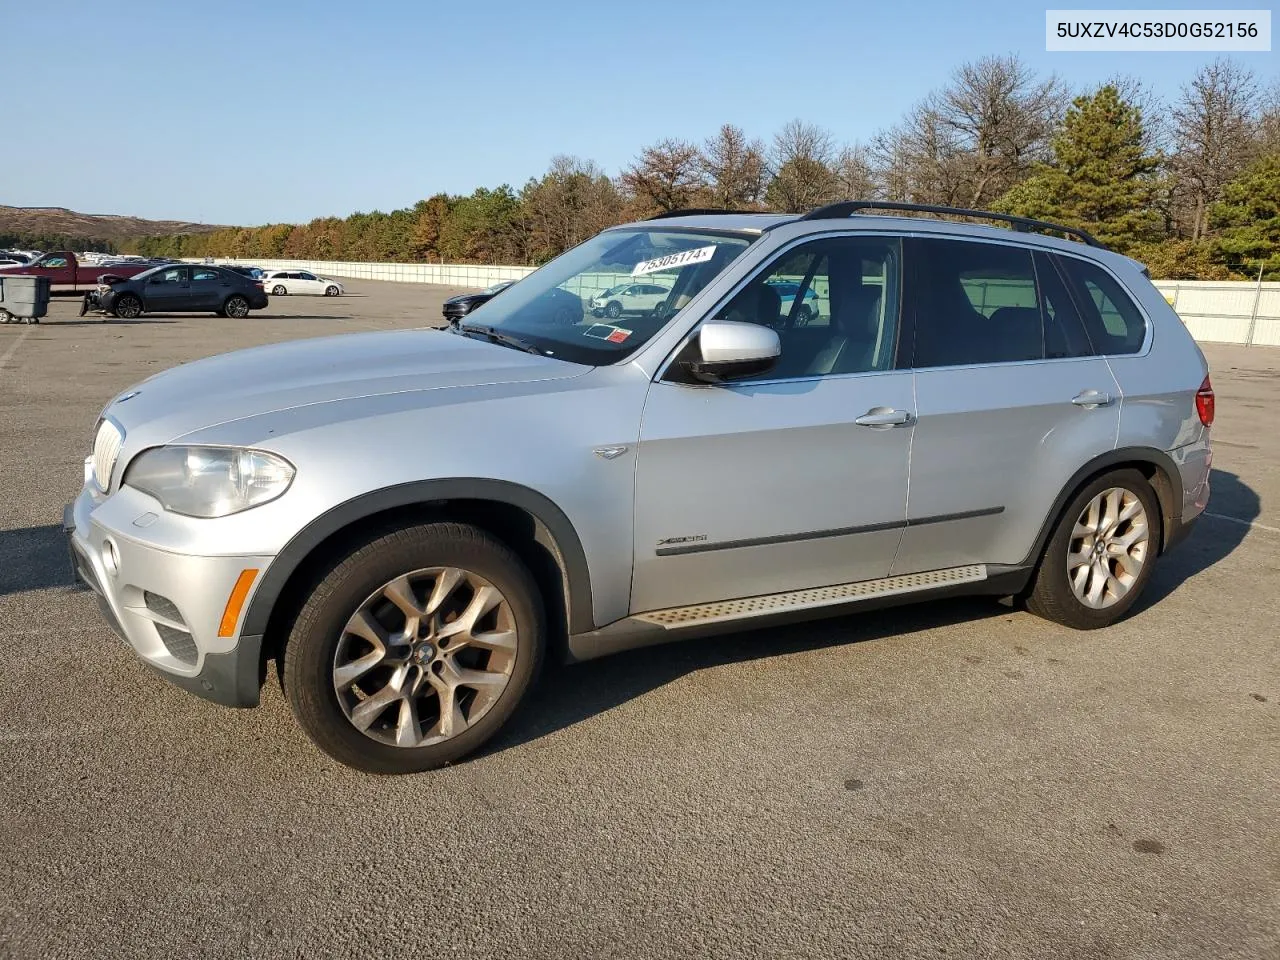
58	226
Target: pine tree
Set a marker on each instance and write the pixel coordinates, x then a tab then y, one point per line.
1101	177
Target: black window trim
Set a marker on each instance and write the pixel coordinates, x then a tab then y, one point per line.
667	372
913	261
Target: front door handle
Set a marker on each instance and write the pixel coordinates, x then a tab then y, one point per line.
883	417
1091	398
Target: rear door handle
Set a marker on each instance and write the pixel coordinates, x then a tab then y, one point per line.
1091	398
883	417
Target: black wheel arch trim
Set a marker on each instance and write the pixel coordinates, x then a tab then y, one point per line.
571	555
1121	456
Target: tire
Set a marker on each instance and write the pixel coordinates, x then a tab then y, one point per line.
5	316
804	315
84	305
660	310
236	306
127	307
613	310
278	290
355	592
1053	595
330	291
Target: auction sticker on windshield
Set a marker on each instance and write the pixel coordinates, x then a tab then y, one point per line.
672	260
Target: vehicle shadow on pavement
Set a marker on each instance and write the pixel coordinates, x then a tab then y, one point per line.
1211	540
570	694
99	322
33	558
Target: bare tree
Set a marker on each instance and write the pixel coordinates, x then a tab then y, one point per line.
802	157
573	201
667	176
735	169
968	143
1268	134
1214	125
856	174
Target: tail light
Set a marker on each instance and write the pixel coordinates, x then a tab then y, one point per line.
1205	402
258	284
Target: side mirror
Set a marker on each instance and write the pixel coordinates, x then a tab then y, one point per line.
729	350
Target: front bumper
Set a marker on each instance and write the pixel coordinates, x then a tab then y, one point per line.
167	606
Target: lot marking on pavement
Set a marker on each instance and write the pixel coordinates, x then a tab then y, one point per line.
1222	516
13	347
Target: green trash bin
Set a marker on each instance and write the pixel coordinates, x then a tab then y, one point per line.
23	298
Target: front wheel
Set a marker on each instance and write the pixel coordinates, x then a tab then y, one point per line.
330	291
415	649
236	306
614	310
1101	554
128	307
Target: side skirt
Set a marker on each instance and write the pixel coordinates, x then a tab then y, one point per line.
750	613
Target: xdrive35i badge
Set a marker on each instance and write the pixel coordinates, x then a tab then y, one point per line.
696	538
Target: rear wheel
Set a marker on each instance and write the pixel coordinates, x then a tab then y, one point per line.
236	306
127	307
415	649
1101	554
278	290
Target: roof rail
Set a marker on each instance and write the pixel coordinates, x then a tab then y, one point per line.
693	212
835	211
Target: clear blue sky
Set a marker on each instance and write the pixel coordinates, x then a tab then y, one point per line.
246	113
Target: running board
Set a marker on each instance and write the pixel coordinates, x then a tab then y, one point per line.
675	618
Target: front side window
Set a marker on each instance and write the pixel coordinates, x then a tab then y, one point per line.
575	308
1113	321
833	302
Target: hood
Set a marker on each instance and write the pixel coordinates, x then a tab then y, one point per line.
247	383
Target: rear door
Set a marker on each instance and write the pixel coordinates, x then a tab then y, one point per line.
168	289
1011	401
210	287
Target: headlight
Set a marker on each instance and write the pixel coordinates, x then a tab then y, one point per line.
209	481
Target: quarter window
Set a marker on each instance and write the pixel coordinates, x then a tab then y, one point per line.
834	304
1111	318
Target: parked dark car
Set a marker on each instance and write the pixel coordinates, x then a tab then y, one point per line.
455	308
177	289
253	273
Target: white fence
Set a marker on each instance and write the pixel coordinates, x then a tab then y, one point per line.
457	275
1226	312
1218	311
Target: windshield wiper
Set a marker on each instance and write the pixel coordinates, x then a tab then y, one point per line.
497	336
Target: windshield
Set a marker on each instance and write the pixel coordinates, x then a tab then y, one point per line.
561	309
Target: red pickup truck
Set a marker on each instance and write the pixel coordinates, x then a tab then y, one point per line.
67	275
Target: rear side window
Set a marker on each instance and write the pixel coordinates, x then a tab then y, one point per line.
1113	322
975	303
203	273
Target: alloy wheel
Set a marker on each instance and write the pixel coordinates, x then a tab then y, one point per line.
425	657
1108	548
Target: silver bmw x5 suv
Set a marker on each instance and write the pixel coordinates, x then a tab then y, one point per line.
408	522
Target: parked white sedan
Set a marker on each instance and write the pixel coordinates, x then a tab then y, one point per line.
278	283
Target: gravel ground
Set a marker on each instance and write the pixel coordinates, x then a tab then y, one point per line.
957	777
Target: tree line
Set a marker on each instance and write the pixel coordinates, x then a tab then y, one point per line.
1190	187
